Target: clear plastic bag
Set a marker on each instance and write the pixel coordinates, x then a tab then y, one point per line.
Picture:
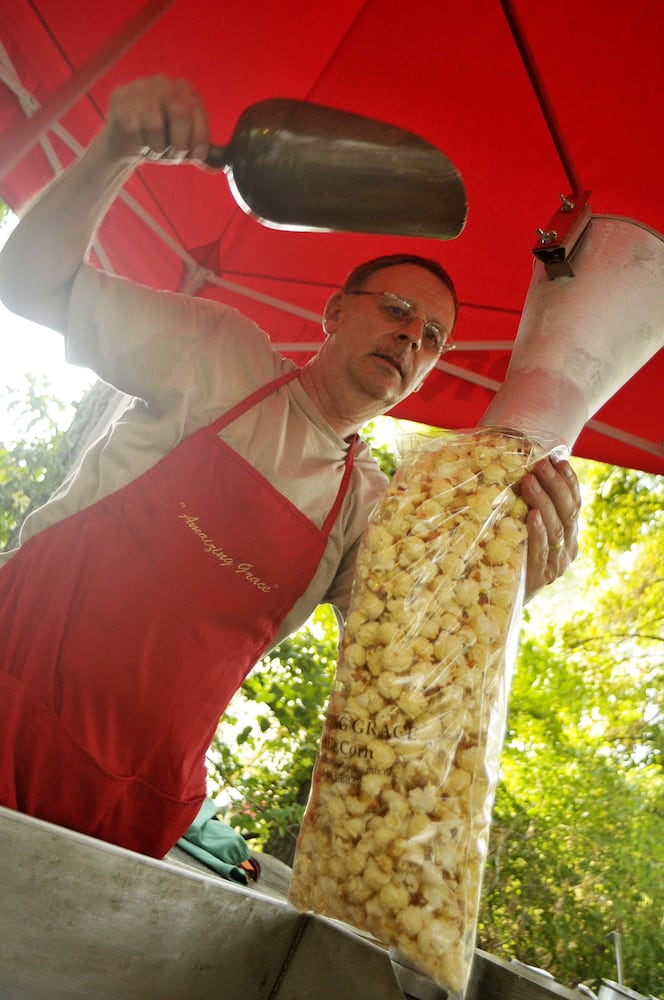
395	834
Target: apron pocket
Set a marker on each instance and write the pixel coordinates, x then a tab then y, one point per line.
46	774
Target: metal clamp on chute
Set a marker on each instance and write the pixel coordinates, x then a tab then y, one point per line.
560	238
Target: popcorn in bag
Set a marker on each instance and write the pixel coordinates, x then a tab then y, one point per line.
394	839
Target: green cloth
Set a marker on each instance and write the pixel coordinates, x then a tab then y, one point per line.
215	844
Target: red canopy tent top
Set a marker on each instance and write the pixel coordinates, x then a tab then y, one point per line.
452	73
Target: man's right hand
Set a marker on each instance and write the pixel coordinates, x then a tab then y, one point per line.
158	118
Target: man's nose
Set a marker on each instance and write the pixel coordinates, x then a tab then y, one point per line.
413	330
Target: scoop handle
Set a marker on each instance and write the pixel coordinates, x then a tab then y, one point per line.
218	157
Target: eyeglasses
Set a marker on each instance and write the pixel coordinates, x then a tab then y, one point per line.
402	312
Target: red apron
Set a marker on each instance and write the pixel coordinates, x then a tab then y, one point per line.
126	628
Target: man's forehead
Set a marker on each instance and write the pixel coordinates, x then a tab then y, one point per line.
413	282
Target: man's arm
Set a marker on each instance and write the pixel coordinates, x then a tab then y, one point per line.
43	255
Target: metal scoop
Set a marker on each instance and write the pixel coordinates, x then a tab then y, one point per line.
295	165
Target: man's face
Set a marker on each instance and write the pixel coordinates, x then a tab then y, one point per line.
369	343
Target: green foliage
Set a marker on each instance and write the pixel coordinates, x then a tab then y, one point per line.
34	464
626	507
577	848
380	452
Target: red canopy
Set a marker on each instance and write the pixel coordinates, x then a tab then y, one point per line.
448	71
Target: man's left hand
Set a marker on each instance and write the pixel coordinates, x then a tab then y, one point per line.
552	492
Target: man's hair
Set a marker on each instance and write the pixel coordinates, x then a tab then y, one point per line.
359	274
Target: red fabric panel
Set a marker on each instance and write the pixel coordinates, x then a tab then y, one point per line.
450	72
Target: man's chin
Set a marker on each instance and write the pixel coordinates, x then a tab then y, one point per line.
385	386
390	383
388	400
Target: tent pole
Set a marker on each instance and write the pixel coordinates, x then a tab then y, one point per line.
540	92
30	132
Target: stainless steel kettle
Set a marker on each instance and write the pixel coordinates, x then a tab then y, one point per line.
616	991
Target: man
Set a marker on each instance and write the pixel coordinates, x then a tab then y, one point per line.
219	509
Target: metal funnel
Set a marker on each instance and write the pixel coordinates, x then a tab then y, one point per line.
583	337
295	165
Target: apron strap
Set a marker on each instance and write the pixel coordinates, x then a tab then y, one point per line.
252	399
341	493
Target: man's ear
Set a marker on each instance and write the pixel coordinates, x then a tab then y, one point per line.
331	313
